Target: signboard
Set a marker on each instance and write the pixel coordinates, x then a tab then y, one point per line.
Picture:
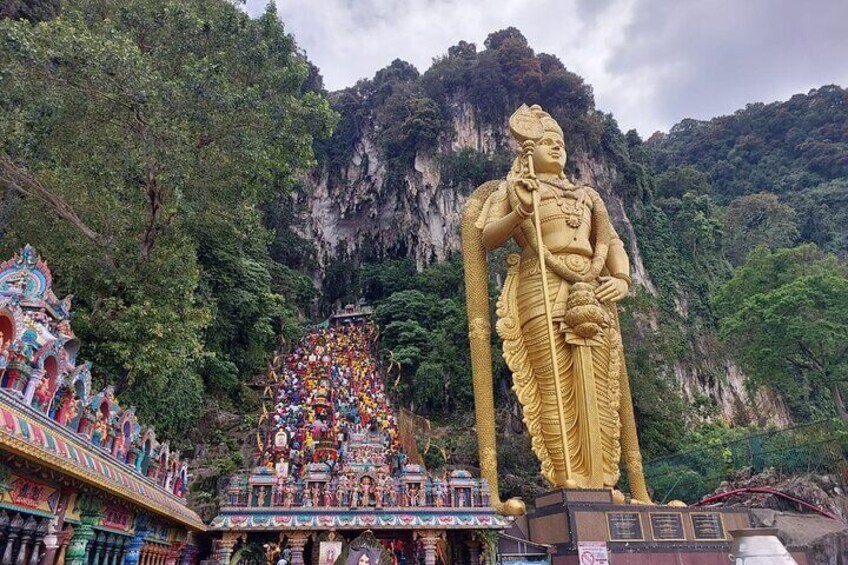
707	526
116	518
667	526
625	526
592	553
33	494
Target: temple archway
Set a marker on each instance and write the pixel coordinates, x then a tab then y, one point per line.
249	554
7	328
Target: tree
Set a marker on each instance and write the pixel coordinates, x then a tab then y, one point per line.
30	10
758	219
677	181
785	314
139	141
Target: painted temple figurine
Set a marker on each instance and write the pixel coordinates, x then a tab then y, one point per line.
556	316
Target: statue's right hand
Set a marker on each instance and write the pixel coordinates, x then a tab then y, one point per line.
524	189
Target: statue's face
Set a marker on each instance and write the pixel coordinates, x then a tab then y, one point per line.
549	154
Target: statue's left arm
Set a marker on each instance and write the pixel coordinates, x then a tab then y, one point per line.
615	286
618	264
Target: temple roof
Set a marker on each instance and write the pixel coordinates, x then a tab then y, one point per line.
32	436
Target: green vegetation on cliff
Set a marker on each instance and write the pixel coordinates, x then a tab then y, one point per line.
695	210
140	142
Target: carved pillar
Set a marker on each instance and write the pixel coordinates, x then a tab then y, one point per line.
78	548
38	539
144	555
118	555
51	542
132	551
96	551
4	523
188	555
429	540
109	547
27	535
297	541
225	548
32	384
64	540
473	552
14	531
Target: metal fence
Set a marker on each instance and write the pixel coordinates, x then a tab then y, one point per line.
818	447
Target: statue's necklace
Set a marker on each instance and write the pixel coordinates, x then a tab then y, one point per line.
571	205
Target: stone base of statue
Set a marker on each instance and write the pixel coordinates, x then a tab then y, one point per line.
585	526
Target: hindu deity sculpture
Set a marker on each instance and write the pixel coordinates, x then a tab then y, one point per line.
315	490
556	316
288	494
365	490
379	489
261	495
340	492
101	429
439	493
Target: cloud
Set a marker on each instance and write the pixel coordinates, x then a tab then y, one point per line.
651	62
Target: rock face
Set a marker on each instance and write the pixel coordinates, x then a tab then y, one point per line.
824	539
421	221
356	214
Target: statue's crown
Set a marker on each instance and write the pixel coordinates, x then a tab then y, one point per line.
531	123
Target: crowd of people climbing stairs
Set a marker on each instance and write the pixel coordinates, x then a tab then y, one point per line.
328	390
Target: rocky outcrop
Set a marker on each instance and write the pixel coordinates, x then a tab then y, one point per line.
824	539
359	214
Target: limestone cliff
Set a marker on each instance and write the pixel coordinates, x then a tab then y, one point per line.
354	213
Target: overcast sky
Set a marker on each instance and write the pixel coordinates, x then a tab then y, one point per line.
651	62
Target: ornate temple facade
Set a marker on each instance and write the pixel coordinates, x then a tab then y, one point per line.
82	482
332	464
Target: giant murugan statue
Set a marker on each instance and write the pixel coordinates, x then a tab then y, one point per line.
556	316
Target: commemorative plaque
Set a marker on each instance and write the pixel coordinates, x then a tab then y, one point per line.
667	526
625	526
707	526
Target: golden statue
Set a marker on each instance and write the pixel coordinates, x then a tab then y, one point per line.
560	332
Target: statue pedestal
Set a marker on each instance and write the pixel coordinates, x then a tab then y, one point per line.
580	522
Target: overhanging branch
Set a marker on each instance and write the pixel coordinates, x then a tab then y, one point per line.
16	179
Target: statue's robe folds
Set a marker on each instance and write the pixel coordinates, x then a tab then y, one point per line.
590	369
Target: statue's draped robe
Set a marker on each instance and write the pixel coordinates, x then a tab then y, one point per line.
589	368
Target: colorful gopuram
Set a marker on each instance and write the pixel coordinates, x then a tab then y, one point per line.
82	482
330	466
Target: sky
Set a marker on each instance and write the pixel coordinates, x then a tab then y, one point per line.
651	63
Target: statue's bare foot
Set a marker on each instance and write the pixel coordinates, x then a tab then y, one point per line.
677	504
618	497
512	507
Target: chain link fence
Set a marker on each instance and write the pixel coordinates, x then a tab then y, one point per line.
819	447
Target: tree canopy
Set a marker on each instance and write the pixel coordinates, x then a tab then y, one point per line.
139	142
785	314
